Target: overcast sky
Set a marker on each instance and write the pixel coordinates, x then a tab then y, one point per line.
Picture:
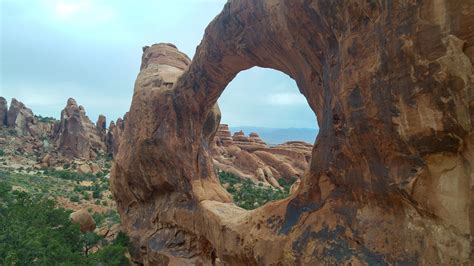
91	50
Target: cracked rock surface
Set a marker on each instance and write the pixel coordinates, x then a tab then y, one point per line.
391	175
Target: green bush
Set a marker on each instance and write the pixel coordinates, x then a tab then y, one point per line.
86	195
96	194
2	152
287	183
250	196
69	175
45	119
74	198
33	231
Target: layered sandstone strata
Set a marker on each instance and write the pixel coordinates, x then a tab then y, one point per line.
390	180
223	136
250	157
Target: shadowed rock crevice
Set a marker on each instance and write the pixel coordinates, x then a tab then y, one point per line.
391	170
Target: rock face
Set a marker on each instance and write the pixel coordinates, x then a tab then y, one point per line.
20	117
76	135
390	180
250	157
101	124
3	112
112	139
223	136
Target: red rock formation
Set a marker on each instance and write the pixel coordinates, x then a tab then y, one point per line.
254	137
20	117
3	112
390	180
250	157
223	136
76	134
84	220
114	133
101	124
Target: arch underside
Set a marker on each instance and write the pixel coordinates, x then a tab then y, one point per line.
391	174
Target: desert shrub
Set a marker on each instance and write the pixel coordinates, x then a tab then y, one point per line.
34	231
2	152
287	183
68	175
5	188
110	217
74	198
96	194
250	195
229	178
86	195
44	119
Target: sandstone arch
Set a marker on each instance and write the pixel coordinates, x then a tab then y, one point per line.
391	174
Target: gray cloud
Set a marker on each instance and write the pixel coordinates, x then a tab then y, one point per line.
91	50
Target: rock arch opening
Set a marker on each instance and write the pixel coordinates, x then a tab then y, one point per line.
371	74
263	145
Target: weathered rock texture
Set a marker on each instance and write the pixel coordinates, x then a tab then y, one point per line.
76	135
250	157
101	124
114	134
20	118
3	112
391	177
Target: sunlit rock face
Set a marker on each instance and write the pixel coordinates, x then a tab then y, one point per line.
391	177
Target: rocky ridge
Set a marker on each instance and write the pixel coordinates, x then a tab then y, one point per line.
35	141
250	157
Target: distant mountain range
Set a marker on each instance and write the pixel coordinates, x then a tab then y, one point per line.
279	135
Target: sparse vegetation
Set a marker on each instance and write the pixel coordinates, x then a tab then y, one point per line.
34	231
44	119
68	175
249	195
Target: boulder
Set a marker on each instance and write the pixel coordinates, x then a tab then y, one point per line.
94	168
390	176
84	220
84	169
45	162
